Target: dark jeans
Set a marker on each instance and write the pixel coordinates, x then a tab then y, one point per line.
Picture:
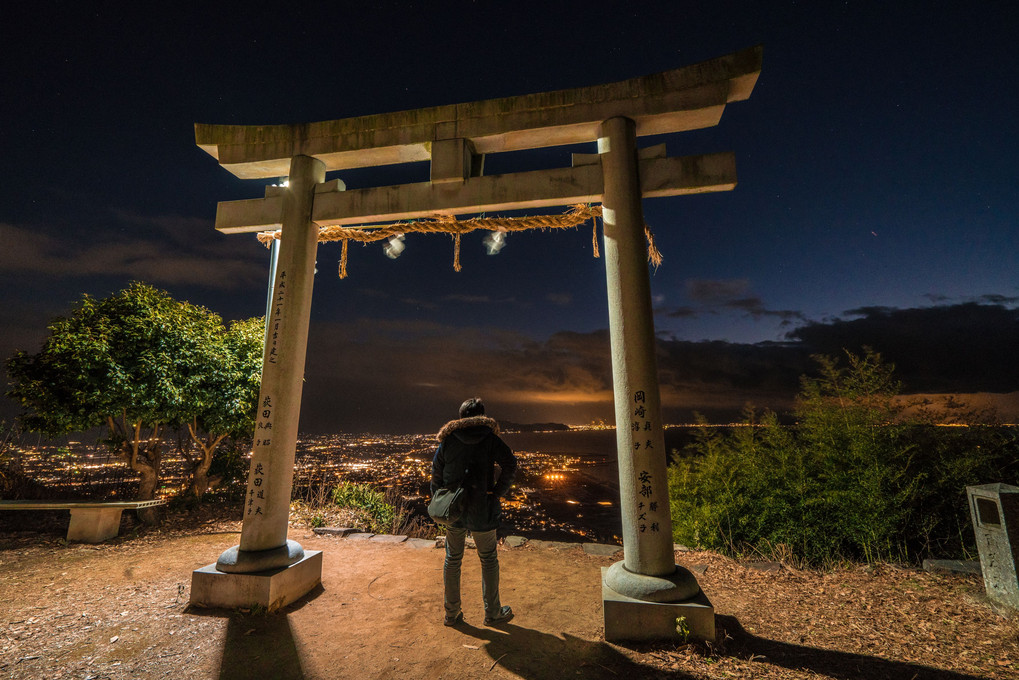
487	545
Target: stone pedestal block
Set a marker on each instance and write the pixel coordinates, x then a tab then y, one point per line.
93	525
270	589
629	619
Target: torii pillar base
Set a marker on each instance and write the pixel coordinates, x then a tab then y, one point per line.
628	619
270	590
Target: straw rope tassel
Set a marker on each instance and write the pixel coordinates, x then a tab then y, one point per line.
653	253
456	252
594	236
343	259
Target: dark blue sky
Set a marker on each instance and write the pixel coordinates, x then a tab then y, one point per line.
875	159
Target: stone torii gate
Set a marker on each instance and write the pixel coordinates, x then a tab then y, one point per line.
646	592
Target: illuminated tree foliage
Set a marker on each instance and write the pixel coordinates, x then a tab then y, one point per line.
224	403
139	363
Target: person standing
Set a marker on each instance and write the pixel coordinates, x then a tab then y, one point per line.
469	449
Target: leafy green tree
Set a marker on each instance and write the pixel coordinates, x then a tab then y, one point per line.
137	362
224	403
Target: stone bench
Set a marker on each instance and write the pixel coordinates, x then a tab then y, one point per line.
91	521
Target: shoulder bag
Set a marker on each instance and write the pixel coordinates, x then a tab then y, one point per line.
447	505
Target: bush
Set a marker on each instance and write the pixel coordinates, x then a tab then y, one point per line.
852	479
377	514
359	506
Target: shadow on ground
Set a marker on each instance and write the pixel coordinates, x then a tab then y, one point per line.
736	641
533	655
262	641
266	642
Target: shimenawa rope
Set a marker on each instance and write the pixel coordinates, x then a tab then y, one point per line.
449	224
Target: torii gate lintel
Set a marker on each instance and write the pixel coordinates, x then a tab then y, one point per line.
688	98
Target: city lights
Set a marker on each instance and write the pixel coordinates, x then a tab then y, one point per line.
548	491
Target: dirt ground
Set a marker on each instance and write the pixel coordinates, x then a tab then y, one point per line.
119	610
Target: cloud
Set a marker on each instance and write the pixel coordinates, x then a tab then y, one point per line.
743	372
460	297
986	299
369	374
561	299
993	299
965	347
421	304
381	375
755	308
416	372
714	291
681	312
177	229
716	296
163	255
464	298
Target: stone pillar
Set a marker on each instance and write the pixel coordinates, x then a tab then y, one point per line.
648	571
264	543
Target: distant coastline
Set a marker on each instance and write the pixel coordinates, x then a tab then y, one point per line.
510	426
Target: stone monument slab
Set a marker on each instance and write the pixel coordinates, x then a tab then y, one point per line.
995	512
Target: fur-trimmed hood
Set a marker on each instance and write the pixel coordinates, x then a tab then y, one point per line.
465	424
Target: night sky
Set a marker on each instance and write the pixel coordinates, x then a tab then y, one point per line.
876	204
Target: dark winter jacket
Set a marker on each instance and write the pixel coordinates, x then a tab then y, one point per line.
473	445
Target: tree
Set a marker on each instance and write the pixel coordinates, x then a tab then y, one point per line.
136	362
851	427
857	476
226	398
